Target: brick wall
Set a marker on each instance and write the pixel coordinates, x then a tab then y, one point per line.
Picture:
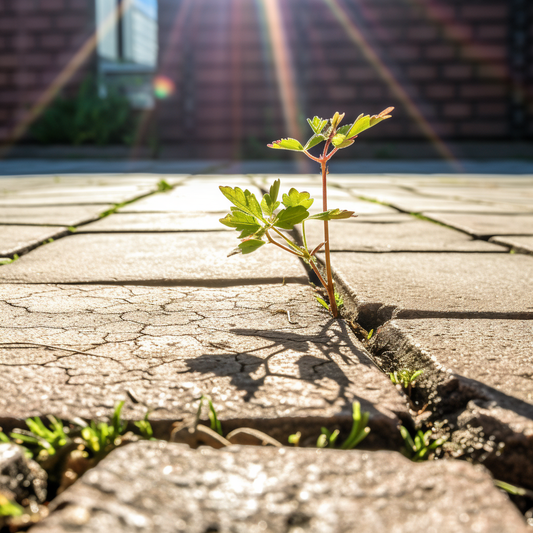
38	39
450	64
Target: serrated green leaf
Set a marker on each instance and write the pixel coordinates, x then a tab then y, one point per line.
287	144
338	139
333	214
247	224
245	201
247	247
364	122
268	206
295	198
346	143
287	218
274	190
343	130
317	124
313	141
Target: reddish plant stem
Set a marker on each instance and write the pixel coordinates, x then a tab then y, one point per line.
271	240
330	289
319	275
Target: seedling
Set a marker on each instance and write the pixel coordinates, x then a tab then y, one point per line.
9	508
406	378
163	186
260	222
419	448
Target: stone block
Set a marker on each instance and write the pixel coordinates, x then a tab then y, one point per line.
517	243
262	489
60	215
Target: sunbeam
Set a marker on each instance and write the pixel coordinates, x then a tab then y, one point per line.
373	58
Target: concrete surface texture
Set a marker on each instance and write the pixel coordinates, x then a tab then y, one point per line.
139	302
252	489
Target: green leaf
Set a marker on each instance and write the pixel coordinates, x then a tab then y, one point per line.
322	302
287	144
295	198
313	141
333	214
338	139
247	247
268	205
274	191
242	222
9	508
343	130
287	218
346	143
317	124
245	201
364	122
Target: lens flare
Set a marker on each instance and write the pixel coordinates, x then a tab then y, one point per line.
163	87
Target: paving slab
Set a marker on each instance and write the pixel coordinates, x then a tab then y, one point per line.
253	489
411	203
179	258
60	215
270	357
486	225
200	197
517	243
404	233
437	285
156	222
78	198
21	239
477	374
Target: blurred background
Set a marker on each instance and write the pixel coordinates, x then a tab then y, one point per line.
218	79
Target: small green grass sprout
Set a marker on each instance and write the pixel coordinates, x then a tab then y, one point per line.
406	378
163	186
419	448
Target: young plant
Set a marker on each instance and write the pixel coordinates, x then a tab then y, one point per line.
419	448
406	378
260	223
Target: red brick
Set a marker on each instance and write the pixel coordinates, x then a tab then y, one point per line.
23	41
422	33
422	72
485	52
9	97
440	91
458	71
492	32
8	23
483	91
53	42
492	110
4	79
8	60
39	60
25	5
360	73
405	52
24	78
51	5
37	22
484	129
341	93
71	22
457	110
440	51
493	71
371	92
484	12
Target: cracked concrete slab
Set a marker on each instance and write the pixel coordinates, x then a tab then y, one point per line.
269	356
181	258
253	489
477	374
517	243
486	225
404	233
436	285
60	215
20	239
156	222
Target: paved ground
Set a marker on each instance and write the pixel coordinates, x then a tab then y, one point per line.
143	305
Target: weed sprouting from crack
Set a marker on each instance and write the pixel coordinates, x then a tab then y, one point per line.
260	223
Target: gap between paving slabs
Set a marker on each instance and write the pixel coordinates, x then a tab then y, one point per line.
478	417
